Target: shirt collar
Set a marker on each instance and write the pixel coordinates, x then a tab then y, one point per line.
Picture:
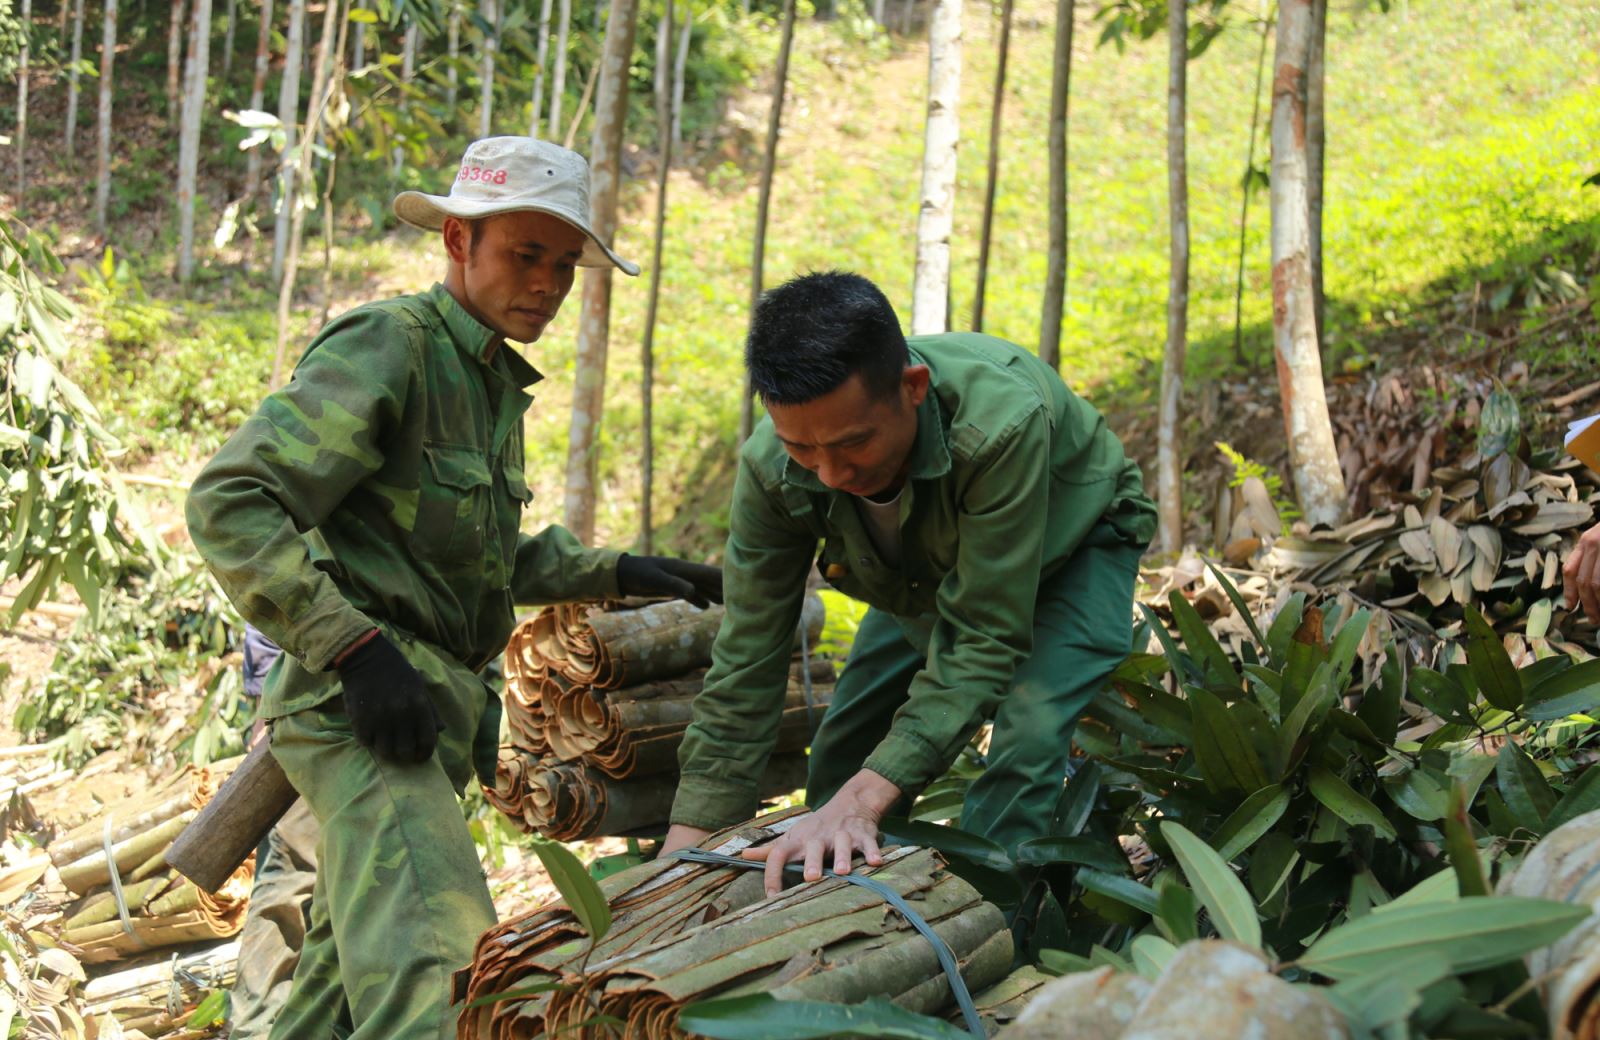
476	339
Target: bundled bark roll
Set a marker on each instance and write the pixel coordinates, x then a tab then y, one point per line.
142	998
164	911
1565	866
685	932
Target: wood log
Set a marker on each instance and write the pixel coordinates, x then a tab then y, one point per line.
83	875
234	821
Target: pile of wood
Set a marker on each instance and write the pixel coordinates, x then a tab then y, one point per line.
162	908
683	932
597	701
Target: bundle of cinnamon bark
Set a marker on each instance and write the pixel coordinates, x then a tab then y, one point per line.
597	701
130	899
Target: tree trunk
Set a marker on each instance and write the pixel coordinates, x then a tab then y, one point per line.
174	56
316	107
486	86
22	101
1313	456
1314	152
1244	189
877	13
408	68
258	91
769	166
72	81
558	80
1169	476
583	106
679	69
930	290
289	116
589	379
102	158
227	39
647	353
453	52
998	103
906	12
1055	279
541	59
194	105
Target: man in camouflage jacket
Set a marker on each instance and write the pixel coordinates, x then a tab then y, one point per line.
367	519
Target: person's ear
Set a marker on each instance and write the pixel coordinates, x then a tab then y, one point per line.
914	383
457	239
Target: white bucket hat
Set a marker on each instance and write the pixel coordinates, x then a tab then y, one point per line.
513	175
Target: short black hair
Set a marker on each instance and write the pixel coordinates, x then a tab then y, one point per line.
812	333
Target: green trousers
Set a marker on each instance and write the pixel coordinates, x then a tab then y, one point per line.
275	925
1082	630
400	896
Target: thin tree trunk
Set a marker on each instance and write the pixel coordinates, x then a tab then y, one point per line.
769	166
1055	279
318	103
174	56
1244	188
358	44
22	100
335	89
72	81
408	69
647	376
289	116
930	289
679	70
258	91
194	105
1313	456
542	57
1169	469
558	81
877	13
583	107
227	38
986	236
589	379
486	86
102	157
1314	153
453	49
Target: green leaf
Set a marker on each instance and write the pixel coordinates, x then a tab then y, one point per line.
1441	887
1441	695
759	1016
1582	797
948	840
1573	691
1178	911
1227	760
1388	996
1348	804
1089	852
1380	708
1309	710
1151	954
1123	890
1077	800
209	1012
1305	652
1461	846
1283	628
1420	793
580	891
1160	708
1347	642
1498	679
364	15
1473	933
533	989
1200	643
1232	592
1255	816
1060	962
1181	664
1221	893
1526	792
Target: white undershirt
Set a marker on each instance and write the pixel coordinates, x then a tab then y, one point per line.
882	521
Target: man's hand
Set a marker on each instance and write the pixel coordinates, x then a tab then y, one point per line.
681	836
847	823
1581	574
698	583
389	708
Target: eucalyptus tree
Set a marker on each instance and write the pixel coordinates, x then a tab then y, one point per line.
930	287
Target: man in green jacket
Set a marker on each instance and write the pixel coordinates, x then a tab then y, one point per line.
988	518
367	519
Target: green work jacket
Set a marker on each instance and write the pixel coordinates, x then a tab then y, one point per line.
1010	472
384	486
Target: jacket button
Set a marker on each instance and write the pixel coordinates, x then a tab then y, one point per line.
916	584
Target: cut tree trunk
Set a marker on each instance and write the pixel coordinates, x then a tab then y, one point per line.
72	81
234	821
102	163
996	106
491	43
1315	133
647	352
289	116
1055	279
594	326
1313	456
258	92
540	61
558	78
930	290
194	104
769	166
1169	448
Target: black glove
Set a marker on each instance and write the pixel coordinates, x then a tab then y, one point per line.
389	709
674	579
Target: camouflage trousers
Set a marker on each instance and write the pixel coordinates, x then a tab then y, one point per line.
400	896
275	926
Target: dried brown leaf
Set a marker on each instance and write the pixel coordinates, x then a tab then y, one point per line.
1446	543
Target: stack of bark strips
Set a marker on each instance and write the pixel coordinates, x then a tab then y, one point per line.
163	908
683	932
155	998
597	702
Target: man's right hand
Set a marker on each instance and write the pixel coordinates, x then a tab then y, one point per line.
389	708
680	836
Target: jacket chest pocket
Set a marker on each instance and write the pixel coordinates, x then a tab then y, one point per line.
854	572
453	506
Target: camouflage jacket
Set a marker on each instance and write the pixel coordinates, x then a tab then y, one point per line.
1010	473
384	486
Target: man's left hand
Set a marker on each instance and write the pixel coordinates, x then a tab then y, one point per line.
846	824
664	576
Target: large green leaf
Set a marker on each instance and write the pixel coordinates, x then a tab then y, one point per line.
1441	695
1151	954
1123	890
1239	604
1388	995
1380	708
948	840
1305	717
1347	642
1086	852
1077	801
1526	792
1182	663
1228	761
1160	708
1246	824
1473	933
1570	692
1177	909
580	891
1419	792
1347	803
1582	797
1436	888
1305	652
1200	643
1498	679
1223	895
1282	630
759	1016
